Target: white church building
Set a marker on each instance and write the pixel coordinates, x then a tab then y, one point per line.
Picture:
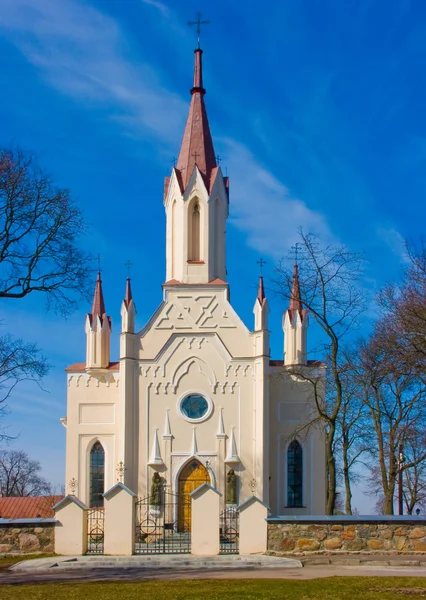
195	395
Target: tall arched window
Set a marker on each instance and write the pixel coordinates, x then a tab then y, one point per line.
194	245
97	475
295	474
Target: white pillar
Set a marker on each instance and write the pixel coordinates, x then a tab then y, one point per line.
119	527
71	528
205	521
253	526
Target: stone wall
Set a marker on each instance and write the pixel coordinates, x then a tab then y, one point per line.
337	534
27	536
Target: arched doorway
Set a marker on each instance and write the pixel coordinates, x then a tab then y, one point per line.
191	477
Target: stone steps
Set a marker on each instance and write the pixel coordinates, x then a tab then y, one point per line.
163	561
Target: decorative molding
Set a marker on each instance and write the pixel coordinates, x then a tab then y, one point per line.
194	447
155	457
221	429
167	435
232	456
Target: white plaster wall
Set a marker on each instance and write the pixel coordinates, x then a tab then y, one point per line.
96	398
291	405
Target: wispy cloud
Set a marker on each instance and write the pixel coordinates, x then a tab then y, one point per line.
264	208
82	53
159	5
394	241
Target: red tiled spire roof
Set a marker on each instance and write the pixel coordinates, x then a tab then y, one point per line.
197	144
295	297
98	306
295	300
261	291
128	297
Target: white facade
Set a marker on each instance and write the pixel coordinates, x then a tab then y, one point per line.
196	346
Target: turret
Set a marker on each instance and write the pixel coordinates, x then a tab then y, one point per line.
128	311
261	308
196	199
98	331
295	325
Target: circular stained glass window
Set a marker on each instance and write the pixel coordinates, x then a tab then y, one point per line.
194	407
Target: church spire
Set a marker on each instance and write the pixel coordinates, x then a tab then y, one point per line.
128	310
197	144
98	331
295	324
98	305
295	298
128	296
261	290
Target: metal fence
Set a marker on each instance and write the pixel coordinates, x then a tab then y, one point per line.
163	528
229	530
95	531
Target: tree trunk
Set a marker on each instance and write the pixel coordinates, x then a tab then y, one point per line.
348	491
331	471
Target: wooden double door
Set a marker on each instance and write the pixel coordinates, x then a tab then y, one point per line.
191	477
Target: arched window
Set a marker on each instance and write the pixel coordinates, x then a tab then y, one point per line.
295	474
194	242
97	475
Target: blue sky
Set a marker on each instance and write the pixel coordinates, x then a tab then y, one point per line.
317	110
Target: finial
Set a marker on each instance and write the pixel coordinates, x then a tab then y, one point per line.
261	262
296	250
128	264
198	23
99	258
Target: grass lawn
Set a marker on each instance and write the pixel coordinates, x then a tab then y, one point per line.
333	588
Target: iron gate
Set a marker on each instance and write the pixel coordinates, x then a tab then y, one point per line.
163	528
95	531
229	530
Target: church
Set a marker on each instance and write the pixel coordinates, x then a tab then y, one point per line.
195	396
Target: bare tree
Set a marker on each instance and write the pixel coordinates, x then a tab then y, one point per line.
329	288
19	361
351	443
404	306
414	490
39	230
20	475
395	398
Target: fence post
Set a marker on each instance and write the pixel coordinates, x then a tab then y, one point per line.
205	521
253	526
71	528
119	527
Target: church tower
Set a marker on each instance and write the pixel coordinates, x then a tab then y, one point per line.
295	325
196	200
98	331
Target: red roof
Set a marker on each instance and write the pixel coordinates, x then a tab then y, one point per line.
113	366
197	144
98	306
27	507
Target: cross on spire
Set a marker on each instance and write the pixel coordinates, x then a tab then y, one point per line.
198	23
128	264
296	250
218	159
195	155
98	258
261	262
